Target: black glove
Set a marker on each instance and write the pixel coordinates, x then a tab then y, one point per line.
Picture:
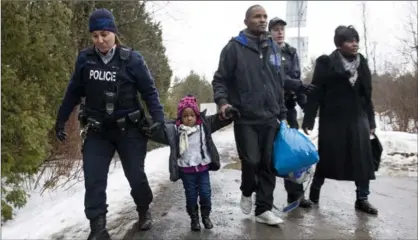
153	127
60	132
232	113
307	88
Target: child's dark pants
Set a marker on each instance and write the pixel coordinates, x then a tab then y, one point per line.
196	183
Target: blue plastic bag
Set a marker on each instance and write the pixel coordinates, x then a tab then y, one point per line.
292	151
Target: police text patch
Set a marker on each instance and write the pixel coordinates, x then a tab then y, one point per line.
102	75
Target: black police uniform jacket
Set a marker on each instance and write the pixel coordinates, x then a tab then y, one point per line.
125	75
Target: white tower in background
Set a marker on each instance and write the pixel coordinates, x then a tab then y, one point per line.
296	12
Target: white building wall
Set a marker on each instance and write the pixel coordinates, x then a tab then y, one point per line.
210	107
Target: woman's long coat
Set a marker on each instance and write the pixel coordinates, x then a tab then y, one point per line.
346	115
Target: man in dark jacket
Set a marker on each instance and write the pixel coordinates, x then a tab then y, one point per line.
249	78
294	92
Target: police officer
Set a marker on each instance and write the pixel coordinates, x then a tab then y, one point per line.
110	76
295	91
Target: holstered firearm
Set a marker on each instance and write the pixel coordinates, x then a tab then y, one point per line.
90	124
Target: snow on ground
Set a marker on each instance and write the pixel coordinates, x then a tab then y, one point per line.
399	150
59	214
399	154
388	123
54	211
225	143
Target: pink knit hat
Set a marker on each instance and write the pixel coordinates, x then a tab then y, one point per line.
188	102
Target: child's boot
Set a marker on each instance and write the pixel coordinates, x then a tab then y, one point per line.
205	212
194	217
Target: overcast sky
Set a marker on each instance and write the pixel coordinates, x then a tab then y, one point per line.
194	32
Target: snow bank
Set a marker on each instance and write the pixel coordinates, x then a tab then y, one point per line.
63	211
399	150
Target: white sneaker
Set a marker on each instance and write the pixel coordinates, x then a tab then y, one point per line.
268	218
246	204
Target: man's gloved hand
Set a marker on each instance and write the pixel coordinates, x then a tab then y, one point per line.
232	113
223	109
307	88
60	131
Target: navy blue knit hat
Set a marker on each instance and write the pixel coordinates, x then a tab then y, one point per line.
102	19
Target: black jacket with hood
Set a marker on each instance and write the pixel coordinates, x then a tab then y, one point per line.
250	77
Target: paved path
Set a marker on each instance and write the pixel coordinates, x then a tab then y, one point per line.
334	218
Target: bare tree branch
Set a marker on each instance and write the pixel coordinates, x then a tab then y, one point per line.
409	44
373	56
364	19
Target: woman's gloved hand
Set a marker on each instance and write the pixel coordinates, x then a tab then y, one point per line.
60	131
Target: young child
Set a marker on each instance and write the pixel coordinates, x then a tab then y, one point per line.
193	154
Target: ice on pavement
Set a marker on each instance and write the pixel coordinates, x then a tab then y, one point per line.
60	214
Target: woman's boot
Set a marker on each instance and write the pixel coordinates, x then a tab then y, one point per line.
194	218
364	206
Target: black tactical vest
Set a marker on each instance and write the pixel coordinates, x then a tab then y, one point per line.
110	91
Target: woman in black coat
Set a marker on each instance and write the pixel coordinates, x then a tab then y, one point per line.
346	117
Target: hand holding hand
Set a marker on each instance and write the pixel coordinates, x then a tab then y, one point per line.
232	113
223	110
308	88
150	129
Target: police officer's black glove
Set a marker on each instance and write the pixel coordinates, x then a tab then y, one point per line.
153	127
60	132
232	113
307	88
